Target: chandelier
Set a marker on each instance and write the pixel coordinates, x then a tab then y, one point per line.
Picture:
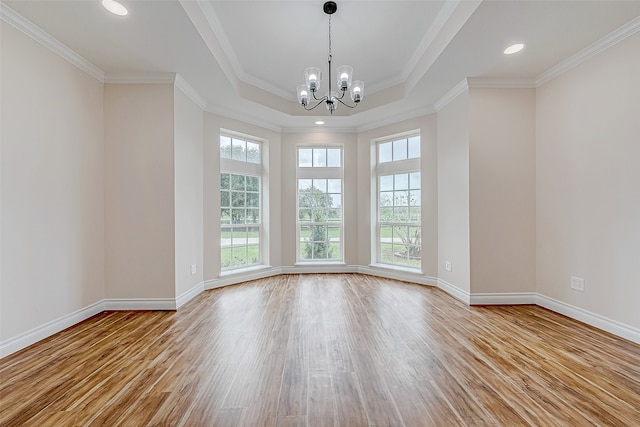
313	76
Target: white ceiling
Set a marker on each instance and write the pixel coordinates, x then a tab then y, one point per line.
245	58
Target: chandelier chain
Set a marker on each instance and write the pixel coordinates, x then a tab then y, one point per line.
329	36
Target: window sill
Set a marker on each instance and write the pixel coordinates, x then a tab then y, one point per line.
396	268
320	263
251	269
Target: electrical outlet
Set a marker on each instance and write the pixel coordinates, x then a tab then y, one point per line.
194	269
577	283
447	266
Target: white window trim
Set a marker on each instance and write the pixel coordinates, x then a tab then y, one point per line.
239	167
307	172
390	168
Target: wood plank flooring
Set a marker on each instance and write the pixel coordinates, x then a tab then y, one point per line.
325	350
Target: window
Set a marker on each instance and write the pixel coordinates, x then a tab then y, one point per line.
240	203
319	204
399	201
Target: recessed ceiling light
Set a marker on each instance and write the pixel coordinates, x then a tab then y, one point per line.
319	122
514	48
115	7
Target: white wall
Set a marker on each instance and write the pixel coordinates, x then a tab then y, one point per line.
139	191
188	158
588	184
453	193
502	190
52	186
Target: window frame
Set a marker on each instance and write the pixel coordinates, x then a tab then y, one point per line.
246	169
320	173
407	165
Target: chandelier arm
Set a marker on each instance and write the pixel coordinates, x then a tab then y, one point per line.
345	104
342	96
324	98
318	103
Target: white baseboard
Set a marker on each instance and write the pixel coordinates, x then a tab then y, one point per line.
517	298
397	274
454	291
189	295
593	319
41	332
243	276
140	304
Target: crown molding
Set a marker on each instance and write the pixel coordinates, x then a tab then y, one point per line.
319	129
188	90
141	78
453	93
496	83
616	36
13	18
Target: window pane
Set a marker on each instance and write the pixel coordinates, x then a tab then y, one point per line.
304	214
414	147
225	216
335	201
334	215
238	199
401	181
304	184
385	152
414	180
253	152
238	149
333	157
237	182
386	198
225	147
386	253
253	255
319	157
333	251
414	198
238	236
334	185
415	214
253	199
253	183
401	198
399	149
386	214
225	181
237	216
386	183
225	199
305	157
401	214
320	184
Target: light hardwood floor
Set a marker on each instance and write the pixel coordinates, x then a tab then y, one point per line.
325	350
